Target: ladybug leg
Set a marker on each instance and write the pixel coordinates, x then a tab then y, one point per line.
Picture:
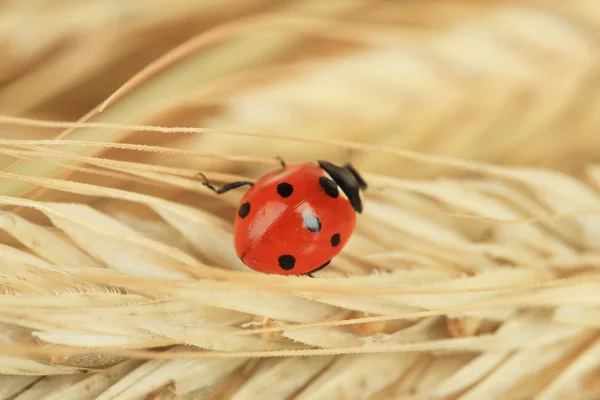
318	269
225	188
361	182
281	161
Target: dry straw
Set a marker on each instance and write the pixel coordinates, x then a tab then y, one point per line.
473	270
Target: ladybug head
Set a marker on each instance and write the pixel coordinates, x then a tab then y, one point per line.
349	180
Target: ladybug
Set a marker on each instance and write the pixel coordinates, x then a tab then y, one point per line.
295	219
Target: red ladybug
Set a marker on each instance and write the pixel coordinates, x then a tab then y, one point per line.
295	219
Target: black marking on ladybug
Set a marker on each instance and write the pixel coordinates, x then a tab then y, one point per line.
335	240
329	186
284	189
244	210
359	179
349	180
286	262
312	222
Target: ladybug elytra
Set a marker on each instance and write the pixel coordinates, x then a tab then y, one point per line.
295	219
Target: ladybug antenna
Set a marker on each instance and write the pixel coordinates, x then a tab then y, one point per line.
349	180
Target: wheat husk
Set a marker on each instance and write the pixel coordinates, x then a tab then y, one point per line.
473	270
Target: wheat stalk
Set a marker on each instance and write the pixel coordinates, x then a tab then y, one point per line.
493	292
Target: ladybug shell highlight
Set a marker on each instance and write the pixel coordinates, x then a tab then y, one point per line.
293	221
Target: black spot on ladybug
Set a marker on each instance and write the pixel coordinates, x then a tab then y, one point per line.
284	189
312	223
335	240
330	187
244	210
286	262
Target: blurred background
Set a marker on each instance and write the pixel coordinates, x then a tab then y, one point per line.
507	82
